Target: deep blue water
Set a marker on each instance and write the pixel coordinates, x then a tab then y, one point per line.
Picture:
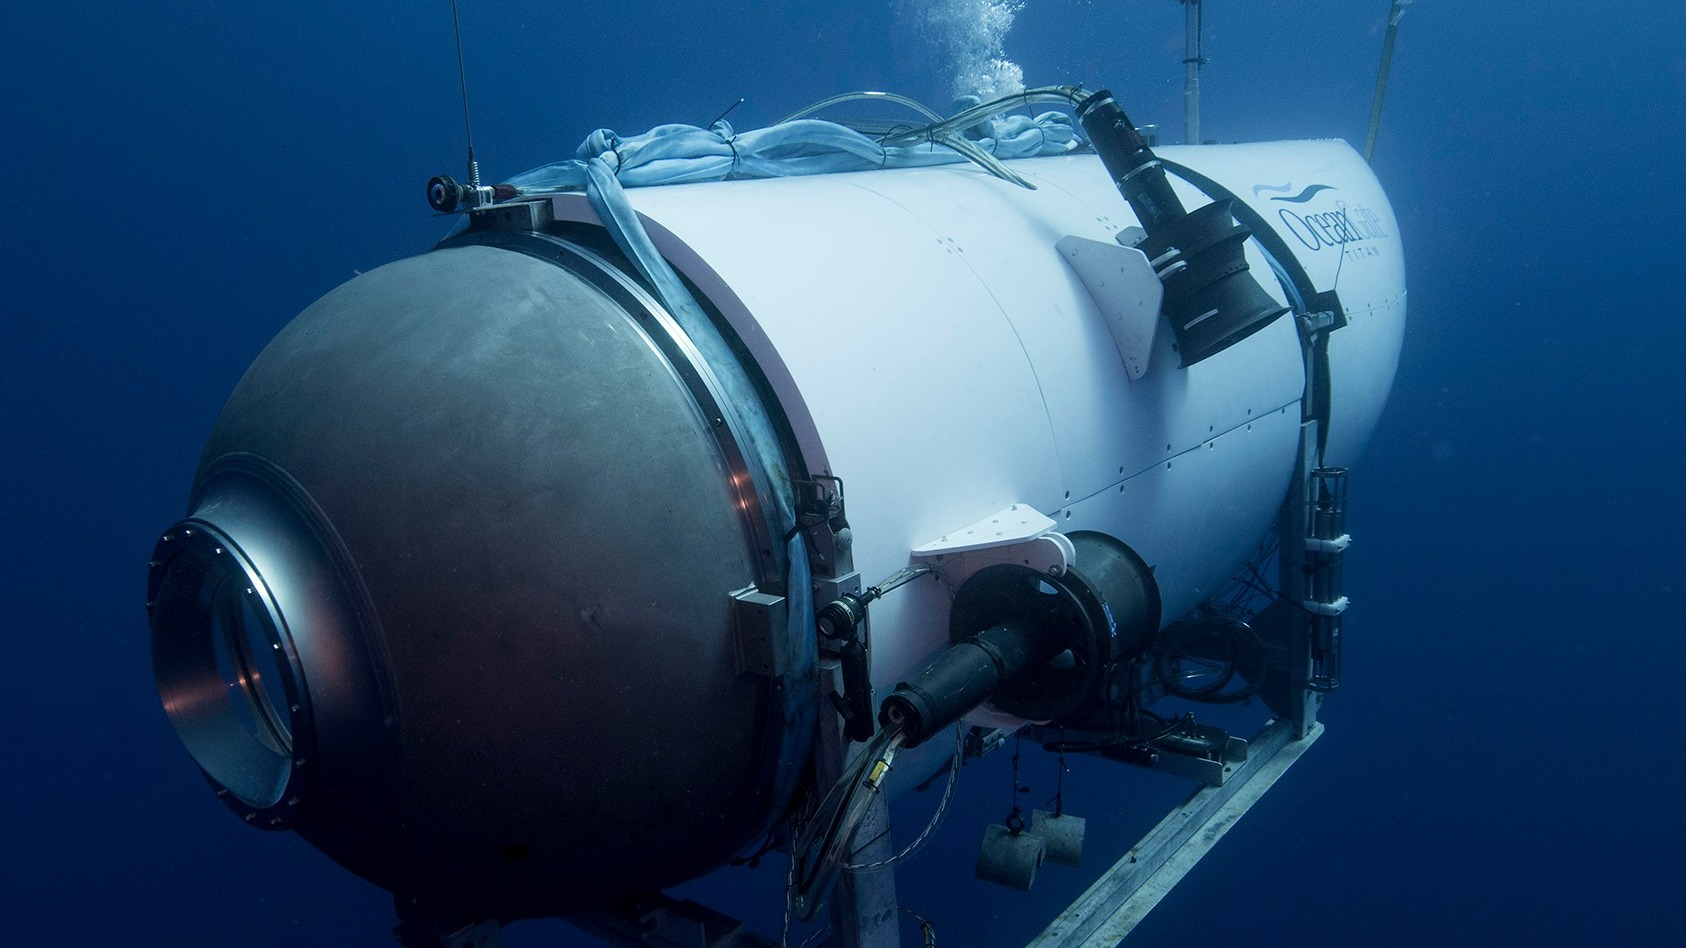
1502	764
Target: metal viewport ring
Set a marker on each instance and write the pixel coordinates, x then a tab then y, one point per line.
229	673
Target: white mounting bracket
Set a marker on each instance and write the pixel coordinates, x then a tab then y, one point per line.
1128	292
1020	535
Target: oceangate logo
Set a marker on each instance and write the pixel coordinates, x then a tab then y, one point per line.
1349	227
1300	198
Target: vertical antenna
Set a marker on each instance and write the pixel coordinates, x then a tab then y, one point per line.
462	80
443	194
1393	17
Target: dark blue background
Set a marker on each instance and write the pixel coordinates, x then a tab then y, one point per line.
1502	767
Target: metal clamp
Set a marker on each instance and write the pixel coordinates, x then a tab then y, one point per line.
1337	545
1325	608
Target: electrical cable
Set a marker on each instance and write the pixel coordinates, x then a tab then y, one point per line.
894	581
927	931
818	854
903	100
1070	96
1242	658
936	818
1059	781
682	154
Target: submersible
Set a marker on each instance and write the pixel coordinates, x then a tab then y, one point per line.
531	575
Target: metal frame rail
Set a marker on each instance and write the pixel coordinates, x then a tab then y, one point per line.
1124	895
865	916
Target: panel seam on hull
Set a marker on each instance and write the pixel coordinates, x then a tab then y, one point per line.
1114	485
1053	432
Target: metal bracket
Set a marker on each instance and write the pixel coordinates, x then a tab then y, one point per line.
1018	535
1209	755
1322	321
758	630
1325	608
1128	292
822	514
1337	545
516	215
1132	235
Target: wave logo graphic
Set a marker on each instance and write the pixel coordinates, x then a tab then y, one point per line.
1310	191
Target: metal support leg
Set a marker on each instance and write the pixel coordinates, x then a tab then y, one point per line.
863	906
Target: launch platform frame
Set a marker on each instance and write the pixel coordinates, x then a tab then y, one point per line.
865	913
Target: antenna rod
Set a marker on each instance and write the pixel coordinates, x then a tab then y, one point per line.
1393	18
722	115
462	80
